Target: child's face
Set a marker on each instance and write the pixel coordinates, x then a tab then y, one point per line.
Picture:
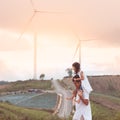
73	68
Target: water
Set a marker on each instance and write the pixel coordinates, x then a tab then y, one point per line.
32	100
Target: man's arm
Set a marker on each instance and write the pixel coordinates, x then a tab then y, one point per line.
84	99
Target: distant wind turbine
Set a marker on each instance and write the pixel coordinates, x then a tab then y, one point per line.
79	47
35	11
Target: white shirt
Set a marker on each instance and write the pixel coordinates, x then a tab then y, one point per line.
82	109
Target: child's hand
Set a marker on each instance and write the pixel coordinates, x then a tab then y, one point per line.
68	98
77	101
75	79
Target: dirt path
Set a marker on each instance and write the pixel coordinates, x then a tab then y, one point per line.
66	106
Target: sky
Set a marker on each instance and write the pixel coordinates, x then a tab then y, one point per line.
57	37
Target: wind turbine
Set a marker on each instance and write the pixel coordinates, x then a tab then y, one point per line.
35	11
79	47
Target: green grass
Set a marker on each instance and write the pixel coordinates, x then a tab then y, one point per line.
113	99
29	84
102	113
11	112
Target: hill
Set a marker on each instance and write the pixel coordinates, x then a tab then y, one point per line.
26	85
108	84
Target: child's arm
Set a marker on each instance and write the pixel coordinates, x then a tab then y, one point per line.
70	98
73	95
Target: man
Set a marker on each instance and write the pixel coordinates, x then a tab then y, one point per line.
83	108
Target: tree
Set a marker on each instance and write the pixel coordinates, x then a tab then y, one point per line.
69	71
42	76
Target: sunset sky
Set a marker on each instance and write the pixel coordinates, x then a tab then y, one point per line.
56	36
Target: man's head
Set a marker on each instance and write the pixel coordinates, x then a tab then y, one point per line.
76	82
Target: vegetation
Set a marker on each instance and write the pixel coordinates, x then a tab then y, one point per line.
69	71
10	112
42	76
29	84
100	112
109	84
105	100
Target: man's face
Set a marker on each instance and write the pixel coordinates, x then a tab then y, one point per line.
77	84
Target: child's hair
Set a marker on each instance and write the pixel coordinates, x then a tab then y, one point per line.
77	67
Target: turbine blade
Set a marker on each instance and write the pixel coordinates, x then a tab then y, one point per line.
89	40
49	12
76	50
26	26
32	4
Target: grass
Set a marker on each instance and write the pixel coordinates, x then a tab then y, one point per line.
11	112
113	99
29	84
100	112
109	85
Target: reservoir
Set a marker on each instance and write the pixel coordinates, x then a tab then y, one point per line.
32	100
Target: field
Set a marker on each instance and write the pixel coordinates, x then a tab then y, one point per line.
11	112
105	100
109	85
26	85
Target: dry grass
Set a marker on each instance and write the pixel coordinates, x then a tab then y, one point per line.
106	84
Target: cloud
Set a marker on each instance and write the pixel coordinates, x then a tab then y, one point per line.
5	72
109	39
9	42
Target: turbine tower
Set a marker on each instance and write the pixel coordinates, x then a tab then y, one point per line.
35	56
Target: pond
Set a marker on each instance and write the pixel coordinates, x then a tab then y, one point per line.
32	100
